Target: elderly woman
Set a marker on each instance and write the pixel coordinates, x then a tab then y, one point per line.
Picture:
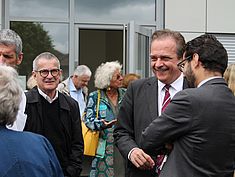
108	80
22	153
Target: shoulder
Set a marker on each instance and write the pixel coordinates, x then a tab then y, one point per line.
94	94
149	81
66	99
29	138
32	95
142	84
122	91
63	86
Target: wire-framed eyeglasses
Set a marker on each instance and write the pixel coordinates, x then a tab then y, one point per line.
182	63
45	72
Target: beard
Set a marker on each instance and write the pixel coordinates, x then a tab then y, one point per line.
190	77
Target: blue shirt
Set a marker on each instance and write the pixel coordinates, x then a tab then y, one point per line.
78	96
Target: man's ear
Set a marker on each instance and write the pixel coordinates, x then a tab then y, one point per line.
195	61
34	74
19	59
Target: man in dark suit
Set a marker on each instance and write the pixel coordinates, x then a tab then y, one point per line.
200	121
143	101
55	115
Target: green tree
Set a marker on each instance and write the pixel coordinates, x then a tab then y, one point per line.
35	41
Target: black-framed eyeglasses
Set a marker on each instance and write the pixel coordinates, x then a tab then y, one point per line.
182	63
45	72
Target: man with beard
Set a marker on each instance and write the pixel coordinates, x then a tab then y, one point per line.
144	101
200	122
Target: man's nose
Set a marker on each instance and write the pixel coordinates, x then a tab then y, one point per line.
158	63
49	75
86	83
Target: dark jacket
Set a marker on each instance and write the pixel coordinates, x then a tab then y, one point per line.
71	123
201	124
139	108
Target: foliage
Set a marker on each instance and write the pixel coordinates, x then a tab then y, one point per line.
35	41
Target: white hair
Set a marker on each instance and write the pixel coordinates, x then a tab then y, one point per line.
104	73
82	70
47	56
10	95
9	37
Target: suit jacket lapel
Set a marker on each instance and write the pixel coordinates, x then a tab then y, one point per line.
151	92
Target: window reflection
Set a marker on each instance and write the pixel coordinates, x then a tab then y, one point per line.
125	10
41	37
39	8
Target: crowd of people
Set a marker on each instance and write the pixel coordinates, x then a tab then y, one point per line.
179	122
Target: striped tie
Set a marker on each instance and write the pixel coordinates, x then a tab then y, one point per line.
167	97
166	101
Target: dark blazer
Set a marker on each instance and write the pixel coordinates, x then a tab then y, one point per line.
71	122
139	108
201	124
27	154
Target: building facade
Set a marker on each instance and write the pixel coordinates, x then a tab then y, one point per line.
94	31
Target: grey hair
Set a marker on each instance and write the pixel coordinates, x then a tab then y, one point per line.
10	95
47	56
104	74
9	37
82	70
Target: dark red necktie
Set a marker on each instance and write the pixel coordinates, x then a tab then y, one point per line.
166	101
167	97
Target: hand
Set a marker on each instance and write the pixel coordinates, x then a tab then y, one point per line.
109	124
141	160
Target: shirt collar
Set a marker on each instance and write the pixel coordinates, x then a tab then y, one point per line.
210	78
176	85
72	88
47	97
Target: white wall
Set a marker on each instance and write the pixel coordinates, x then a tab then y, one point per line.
185	15
220	16
200	16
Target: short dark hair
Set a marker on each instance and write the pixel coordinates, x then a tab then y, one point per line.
166	33
211	52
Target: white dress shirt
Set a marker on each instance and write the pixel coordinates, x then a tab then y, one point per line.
176	86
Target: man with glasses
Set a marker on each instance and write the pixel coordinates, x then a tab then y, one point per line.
55	115
200	122
145	99
11	54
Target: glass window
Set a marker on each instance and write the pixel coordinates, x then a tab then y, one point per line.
106	10
42	37
106	45
143	55
39	8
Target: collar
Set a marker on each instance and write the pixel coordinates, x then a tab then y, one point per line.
176	85
72	88
47	97
210	78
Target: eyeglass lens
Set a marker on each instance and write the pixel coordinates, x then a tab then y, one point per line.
45	72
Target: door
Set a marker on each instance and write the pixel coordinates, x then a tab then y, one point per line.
129	44
96	44
138	49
